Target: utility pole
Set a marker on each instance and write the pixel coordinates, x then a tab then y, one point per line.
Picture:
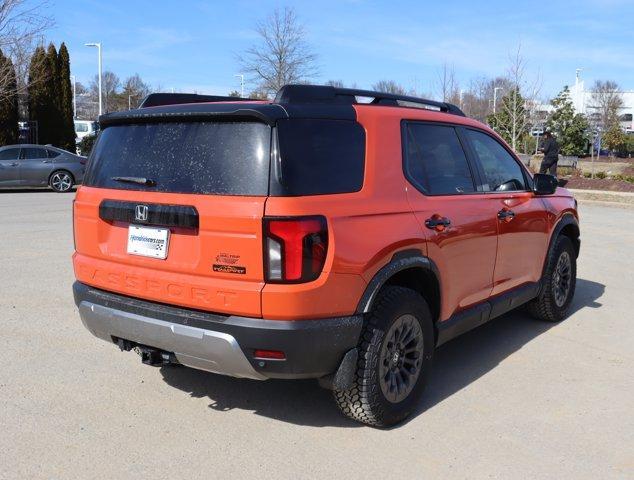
241	84
495	98
98	45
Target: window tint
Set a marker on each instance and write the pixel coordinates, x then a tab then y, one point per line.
52	153
10	154
435	161
318	157
502	173
33	153
224	158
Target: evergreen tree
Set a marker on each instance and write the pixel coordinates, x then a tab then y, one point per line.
570	129
511	119
44	95
54	92
615	138
67	138
38	97
8	102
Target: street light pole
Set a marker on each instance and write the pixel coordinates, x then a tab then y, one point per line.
241	84
74	79
495	97
98	45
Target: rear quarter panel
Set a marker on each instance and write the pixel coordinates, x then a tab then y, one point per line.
365	228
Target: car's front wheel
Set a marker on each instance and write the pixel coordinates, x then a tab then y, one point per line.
395	354
61	181
558	283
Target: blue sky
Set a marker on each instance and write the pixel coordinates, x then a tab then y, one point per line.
192	45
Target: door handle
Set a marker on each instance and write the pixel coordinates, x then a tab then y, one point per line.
506	215
438	223
47	161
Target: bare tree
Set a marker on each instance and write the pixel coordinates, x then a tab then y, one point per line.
134	91
477	100
447	85
514	119
282	56
22	24
335	83
110	85
606	102
389	86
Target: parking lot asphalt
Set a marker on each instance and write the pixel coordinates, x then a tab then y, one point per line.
516	398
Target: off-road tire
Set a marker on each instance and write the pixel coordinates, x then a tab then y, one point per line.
365	401
545	307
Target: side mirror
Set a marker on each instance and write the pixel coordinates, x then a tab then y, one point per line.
544	184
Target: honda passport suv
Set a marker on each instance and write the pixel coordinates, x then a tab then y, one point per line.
332	233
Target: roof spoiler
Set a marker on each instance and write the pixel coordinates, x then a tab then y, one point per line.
303	94
159	99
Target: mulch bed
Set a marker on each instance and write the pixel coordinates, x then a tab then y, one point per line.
582	183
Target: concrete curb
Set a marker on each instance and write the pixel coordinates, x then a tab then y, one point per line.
622	198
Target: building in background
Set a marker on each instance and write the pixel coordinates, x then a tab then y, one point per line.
582	101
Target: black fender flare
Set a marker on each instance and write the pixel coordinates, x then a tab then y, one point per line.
563	222
400	261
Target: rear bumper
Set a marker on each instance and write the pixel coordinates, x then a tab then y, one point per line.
220	343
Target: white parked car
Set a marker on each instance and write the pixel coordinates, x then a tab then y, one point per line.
83	128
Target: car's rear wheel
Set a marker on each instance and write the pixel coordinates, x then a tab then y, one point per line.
559	283
61	181
395	354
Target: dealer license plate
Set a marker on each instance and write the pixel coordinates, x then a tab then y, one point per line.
148	241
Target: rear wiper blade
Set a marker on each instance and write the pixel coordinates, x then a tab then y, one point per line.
140	180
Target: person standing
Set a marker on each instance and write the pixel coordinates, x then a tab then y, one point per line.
550	149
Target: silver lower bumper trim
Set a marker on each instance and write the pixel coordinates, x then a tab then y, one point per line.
215	352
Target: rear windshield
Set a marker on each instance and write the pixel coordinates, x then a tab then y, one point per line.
186	157
314	157
318	157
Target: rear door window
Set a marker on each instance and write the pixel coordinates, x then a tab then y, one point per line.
318	156
435	161
221	158
501	171
33	153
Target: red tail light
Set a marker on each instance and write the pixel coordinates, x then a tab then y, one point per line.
295	248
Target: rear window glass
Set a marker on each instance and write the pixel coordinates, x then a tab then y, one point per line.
318	157
223	158
33	153
435	161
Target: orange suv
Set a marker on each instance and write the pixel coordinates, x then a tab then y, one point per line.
332	233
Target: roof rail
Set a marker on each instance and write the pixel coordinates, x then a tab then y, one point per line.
158	99
328	94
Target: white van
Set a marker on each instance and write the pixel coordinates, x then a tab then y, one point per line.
83	128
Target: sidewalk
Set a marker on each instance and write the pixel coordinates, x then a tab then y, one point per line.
622	198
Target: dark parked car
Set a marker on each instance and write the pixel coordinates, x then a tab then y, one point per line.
39	165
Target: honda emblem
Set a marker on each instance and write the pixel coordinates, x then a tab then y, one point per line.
141	213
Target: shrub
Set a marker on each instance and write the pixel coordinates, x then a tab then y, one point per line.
601	175
86	144
624	178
